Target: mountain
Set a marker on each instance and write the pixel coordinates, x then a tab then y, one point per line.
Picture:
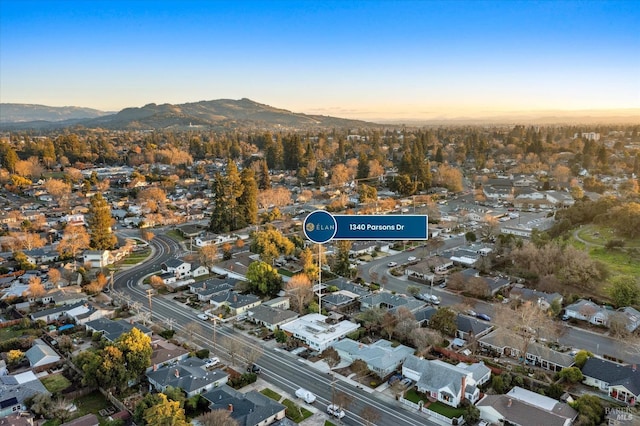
221	113
20	113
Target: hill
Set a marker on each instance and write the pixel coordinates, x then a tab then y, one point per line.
221	113
21	113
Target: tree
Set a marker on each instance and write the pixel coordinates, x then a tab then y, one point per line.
89	362
36	289
444	320
208	255
406	323
270	244
301	291
248	200
470	237
571	374
264	279
624	290
112	371
413	290
60	409
370	415
15	356
342	264
99	221
217	418
136	349
165	413
59	190
425	338
360	368
74	239
309	266
330	356
192	328
226	193
590	410
54	276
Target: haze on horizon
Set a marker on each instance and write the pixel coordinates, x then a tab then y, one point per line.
353	59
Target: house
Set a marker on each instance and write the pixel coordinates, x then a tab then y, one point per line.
270	317
631	316
425	268
96	258
166	353
494	284
238	303
621	382
177	267
282	302
83	313
17	388
250	409
55	313
41	354
189	374
586	310
443	382
469	328
86	420
506	344
112	330
360	248
42	255
345	286
542	299
198	270
381	357
462	257
521	407
316	332
206	289
389	301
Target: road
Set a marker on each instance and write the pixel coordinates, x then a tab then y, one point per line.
280	368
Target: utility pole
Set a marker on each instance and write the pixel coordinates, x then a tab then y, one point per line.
149	294
320	279
215	323
112	280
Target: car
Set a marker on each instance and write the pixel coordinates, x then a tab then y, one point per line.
406	382
254	368
204	317
471	312
211	362
335	411
393	379
434	299
484	317
443	285
565	317
392	264
411	259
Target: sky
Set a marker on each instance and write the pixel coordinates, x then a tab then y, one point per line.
354	59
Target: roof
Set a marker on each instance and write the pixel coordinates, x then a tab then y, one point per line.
189	374
86	420
344	284
173	262
525	413
111	330
470	325
19	387
379	355
164	351
41	354
478	370
614	374
269	315
391	300
535	295
499	339
56	310
249	409
233	299
315	328
437	375
337	299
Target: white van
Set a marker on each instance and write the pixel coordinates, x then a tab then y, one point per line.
308	397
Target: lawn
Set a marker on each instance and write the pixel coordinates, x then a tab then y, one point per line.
11	332
294	412
55	383
328	423
414	396
271	394
445	410
175	235
91	403
600	235
137	257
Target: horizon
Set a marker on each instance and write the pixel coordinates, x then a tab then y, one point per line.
376	60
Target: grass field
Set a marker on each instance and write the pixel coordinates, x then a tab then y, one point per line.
55	383
137	257
600	235
294	412
620	261
271	394
10	332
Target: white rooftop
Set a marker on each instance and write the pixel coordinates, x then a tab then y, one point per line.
532	398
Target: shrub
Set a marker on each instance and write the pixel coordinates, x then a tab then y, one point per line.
202	353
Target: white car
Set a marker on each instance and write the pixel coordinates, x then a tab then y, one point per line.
411	258
211	362
335	411
204	317
392	264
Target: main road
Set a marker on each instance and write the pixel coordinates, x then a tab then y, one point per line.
279	368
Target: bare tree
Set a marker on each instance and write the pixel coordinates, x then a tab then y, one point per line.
370	415
192	329
251	353
233	346
301	291
217	418
36	289
208	255
342	400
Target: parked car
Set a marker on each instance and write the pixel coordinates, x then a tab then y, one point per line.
394	378
411	259
484	317
254	368
335	411
306	395
204	317
471	312
392	264
406	382
434	299
211	362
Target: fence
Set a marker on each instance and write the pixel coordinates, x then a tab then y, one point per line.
425	410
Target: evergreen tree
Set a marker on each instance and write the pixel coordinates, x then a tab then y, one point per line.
363	167
248	201
227	191
342	264
8	157
265	178
99	223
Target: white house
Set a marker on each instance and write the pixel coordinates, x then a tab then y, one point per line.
586	310
316	332
178	267
96	258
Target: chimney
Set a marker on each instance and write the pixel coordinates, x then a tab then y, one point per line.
464	386
177	373
634	367
510	402
155	367
230	408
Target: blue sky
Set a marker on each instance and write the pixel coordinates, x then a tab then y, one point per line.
364	59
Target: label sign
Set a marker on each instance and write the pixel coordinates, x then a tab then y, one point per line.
321	227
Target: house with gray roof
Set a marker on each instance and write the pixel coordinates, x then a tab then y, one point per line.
389	301
469	327
542	299
631	317
112	330
523	408
381	357
206	289
189	374
237	303
178	267
249	409
537	354
339	302
621	382
165	353
41	354
345	286
269	317
586	310
53	314
449	384
17	388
